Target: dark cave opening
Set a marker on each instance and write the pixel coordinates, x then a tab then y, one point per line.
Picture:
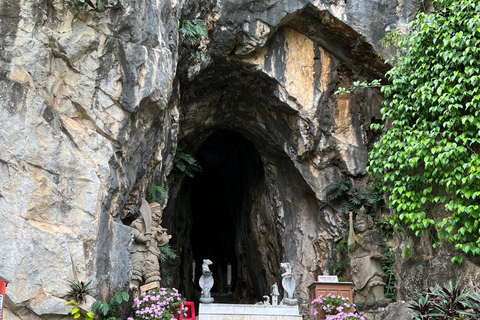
221	202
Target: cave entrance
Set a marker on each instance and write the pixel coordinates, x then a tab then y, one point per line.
221	203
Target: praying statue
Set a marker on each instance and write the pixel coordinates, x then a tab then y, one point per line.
148	237
366	258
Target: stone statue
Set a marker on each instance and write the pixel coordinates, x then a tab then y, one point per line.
148	237
365	252
274	294
288	284
206	282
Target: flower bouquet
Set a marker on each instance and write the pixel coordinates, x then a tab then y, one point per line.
159	304
331	304
348	316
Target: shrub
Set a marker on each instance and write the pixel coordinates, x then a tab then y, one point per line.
446	302
158	304
331	304
348	316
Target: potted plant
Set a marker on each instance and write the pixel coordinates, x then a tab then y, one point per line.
348	316
158	304
331	305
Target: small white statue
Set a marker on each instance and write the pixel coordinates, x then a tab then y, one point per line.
275	294
288	284
206	282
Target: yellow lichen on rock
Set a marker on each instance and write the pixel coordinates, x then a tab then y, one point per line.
299	72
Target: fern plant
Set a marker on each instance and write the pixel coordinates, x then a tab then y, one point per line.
156	194
166	253
353	196
193	31
184	164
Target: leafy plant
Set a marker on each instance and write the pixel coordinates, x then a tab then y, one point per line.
348	316
77	312
79	290
406	250
108	309
358	84
429	154
184	164
353	196
472	305
158	304
338	267
331	304
156	194
193	32
166	253
443	302
101	5
389	289
421	307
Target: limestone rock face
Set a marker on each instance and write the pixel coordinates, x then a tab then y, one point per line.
92	108
82	103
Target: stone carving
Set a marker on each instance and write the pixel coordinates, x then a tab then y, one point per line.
275	294
365	252
288	284
206	282
148	237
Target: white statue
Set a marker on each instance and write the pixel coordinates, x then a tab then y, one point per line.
206	282
275	294
288	284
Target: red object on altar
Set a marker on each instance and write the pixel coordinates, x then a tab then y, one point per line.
3	287
189	314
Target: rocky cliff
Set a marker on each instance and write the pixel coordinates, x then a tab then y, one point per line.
94	105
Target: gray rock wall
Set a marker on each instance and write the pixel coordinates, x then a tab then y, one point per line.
83	102
92	108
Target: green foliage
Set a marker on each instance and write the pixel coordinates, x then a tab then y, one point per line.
100	5
430	152
159	304
108	310
79	290
193	32
354	196
472	305
389	289
393	41
446	302
406	250
358	84
184	164
156	194
78	313
166	253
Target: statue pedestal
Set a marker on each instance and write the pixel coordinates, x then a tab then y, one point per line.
337	288
218	311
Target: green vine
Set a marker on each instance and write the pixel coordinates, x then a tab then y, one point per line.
358	85
429	154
